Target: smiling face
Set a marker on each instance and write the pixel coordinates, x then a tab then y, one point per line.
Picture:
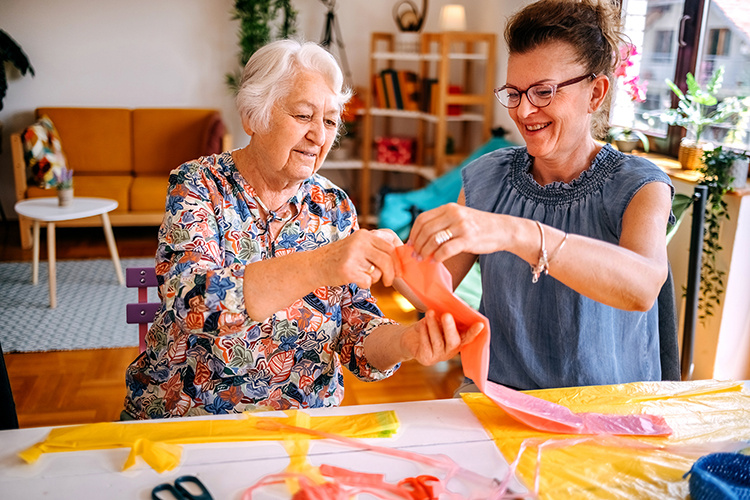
560	130
301	131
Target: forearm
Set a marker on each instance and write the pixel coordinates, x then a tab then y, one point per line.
605	272
273	284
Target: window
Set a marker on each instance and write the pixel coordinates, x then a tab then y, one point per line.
663	45
719	41
674	37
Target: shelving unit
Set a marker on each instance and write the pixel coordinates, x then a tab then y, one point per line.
452	58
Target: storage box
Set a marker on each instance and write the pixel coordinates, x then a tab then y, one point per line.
395	150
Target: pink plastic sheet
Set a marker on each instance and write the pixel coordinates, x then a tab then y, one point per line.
431	282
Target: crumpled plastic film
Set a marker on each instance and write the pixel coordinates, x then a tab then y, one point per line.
343	484
705	416
154	441
431	282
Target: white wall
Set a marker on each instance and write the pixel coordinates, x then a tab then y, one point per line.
173	53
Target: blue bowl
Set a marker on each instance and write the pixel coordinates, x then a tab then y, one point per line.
720	476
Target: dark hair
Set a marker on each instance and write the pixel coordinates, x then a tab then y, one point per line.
591	27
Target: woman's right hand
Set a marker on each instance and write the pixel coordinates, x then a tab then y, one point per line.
454	228
362	258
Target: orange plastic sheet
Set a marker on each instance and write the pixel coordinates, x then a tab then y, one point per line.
157	443
706	416
432	284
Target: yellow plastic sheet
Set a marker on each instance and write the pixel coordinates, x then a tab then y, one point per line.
156	442
705	416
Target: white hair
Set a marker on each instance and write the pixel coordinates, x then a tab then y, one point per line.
270	72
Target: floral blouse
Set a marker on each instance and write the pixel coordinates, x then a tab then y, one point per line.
204	354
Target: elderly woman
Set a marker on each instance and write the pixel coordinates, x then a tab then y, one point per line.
570	234
263	272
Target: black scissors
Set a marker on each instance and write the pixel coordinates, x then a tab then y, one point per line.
184	488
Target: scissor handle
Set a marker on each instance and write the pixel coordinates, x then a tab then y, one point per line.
195	490
202	493
168	487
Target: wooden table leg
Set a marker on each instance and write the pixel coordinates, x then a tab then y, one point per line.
109	235
35	254
52	265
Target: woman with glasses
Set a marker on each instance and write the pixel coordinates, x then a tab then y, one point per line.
569	233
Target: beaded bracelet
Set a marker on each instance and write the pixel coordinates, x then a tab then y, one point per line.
543	265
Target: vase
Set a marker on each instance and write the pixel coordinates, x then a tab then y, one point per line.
627	145
690	154
407	41
64	196
738	171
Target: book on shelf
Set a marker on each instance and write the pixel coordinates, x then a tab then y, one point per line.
397	89
409	84
392	88
381	98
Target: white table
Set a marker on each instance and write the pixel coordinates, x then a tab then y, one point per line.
47	210
227	469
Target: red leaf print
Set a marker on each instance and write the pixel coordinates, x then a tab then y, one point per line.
280	365
202	373
177	353
321	293
233	395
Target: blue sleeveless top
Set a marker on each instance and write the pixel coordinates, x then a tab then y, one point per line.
545	334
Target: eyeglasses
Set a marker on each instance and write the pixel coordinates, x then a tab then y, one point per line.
538	95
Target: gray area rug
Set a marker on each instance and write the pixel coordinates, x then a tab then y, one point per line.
90	311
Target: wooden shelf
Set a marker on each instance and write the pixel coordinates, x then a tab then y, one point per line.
474	59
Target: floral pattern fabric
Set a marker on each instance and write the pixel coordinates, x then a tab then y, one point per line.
43	153
204	354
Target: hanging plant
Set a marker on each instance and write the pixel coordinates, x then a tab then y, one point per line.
716	176
261	21
11	52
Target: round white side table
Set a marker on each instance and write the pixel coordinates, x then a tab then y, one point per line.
47	210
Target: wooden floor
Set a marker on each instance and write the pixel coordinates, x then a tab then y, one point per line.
72	387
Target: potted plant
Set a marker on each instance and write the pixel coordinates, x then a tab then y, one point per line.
627	139
257	20
698	109
64	185
716	170
11	52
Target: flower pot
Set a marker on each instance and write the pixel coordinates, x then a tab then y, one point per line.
690	154
738	171
407	41
64	196
627	145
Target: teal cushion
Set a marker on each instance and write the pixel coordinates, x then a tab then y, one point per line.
396	212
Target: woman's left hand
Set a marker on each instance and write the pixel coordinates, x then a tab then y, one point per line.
432	339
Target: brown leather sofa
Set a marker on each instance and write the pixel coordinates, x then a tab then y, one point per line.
125	155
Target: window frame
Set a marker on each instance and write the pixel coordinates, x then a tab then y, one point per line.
689	43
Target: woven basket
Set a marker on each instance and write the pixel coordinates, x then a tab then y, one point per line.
690	156
724	476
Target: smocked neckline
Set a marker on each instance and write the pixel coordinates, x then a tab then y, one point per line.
589	181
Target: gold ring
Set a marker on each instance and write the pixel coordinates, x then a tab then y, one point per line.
372	268
443	236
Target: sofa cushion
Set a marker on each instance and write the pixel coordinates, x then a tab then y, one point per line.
115	187
97	140
45	160
149	193
163	139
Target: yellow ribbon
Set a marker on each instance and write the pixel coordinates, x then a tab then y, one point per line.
158	442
